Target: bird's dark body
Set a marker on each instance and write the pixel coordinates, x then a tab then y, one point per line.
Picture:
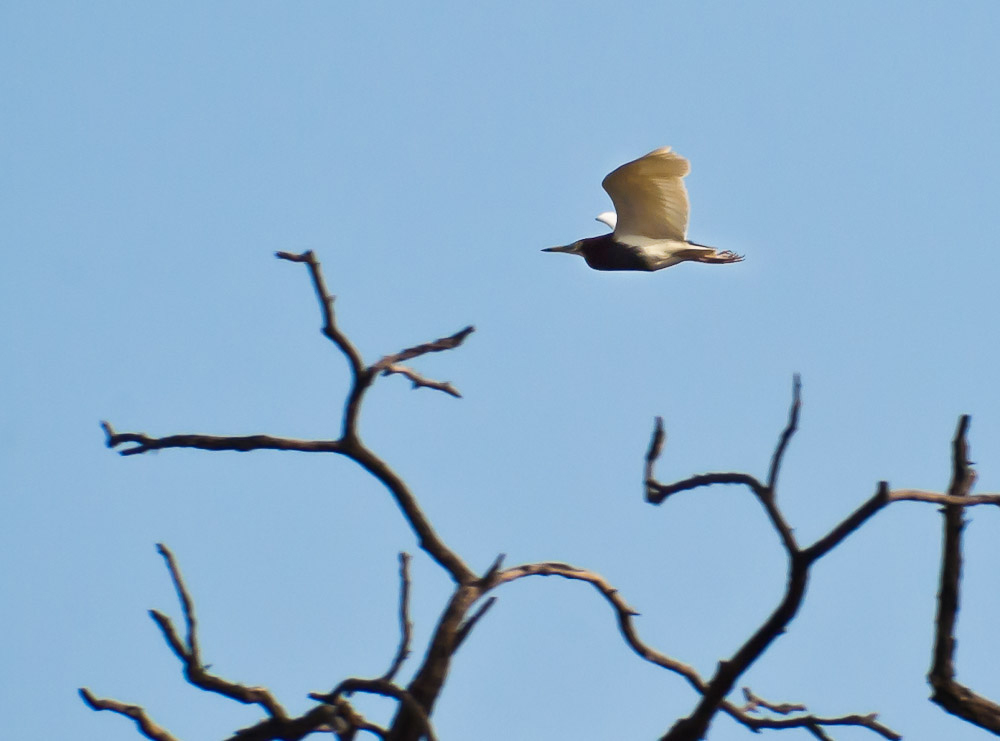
605	253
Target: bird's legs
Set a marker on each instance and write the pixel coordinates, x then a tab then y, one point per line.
711	255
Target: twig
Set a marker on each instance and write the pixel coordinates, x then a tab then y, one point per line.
754	702
190	655
146	726
786	435
326	300
444	343
468	625
419	381
405	626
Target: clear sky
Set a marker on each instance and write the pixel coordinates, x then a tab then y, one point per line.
154	156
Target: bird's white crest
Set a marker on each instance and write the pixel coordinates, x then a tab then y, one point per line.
649	197
608	217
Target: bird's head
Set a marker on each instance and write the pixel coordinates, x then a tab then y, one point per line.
572	249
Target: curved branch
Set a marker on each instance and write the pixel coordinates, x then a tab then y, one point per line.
326	299
188	651
656	492
427	537
623	611
625	615
146	726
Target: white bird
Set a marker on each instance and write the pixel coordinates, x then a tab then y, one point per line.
650	227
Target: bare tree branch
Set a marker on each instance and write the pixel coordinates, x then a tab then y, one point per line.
190	654
349	443
416	702
754	703
625	615
468	625
333	718
241	443
445	343
786	435
419	381
954	697
326	300
405	626
970	500
146	727
379	687
714	692
851	523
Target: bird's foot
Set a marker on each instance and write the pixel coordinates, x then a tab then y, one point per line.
727	256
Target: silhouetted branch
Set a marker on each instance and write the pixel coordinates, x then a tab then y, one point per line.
714	692
146	727
786	435
326	300
349	443
625	615
656	492
851	523
970	500
383	688
954	697
190	655
240	443
405	626
468	625
419	381
754	703
445	343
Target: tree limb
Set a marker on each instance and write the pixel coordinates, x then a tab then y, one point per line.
405	625
146	726
189	653
954	697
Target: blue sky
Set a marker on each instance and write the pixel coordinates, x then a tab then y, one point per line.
154	156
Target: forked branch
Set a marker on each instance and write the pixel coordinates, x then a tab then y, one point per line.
954	697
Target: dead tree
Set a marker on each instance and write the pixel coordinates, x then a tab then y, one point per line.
473	596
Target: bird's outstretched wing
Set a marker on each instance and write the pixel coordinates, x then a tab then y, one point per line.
649	196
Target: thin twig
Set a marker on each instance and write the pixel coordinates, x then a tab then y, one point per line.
146	726
190	655
468	625
405	625
326	300
419	381
754	702
444	343
786	435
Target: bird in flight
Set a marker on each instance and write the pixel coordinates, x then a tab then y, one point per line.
650	228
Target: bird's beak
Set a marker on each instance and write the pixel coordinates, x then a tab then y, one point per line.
567	248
